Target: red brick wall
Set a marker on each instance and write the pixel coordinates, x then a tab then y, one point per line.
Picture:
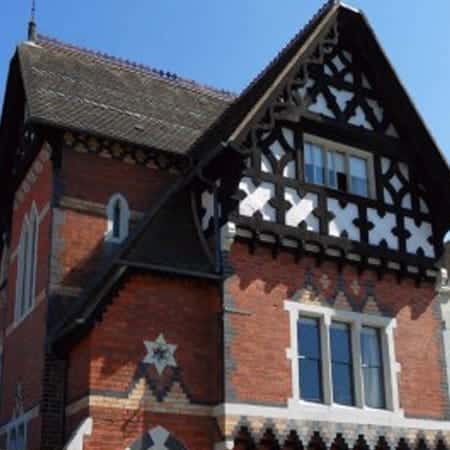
94	179
259	340
24	345
186	312
120	429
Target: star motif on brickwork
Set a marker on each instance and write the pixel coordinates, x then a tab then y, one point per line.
160	354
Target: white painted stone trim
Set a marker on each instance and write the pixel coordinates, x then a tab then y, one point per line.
77	439
356	320
331	414
24	418
443	296
124	218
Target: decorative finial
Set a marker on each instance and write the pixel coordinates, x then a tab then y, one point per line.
32	34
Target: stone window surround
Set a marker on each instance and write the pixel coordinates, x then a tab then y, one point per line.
29	260
124	218
390	366
328	145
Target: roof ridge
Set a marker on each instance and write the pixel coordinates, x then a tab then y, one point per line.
166	76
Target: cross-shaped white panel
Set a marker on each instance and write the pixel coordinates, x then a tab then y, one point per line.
257	199
419	237
382	228
343	220
301	210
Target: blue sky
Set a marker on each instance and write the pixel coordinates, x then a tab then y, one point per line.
226	43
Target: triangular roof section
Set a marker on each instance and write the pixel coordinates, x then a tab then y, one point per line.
230	129
259	99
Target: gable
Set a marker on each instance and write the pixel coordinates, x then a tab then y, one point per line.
339	90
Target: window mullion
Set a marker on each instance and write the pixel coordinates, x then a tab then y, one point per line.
389	375
357	364
325	324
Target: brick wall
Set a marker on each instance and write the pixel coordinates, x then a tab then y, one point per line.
107	363
79	233
24	343
257	341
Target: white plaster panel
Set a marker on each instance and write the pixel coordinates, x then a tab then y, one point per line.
289	170
327	70
342	97
396	183
277	150
359	119
302	90
343	219
403	167
423	206
301	210
388	197
347	55
349	77
419	237
257	198
266	166
377	109
321	107
365	82
391	131
337	61
382	229
385	164
406	201
288	136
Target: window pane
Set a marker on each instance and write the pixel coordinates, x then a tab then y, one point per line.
309	359
336	171
342	384
310	384
20	445
314	164
341	359
358	175
372	368
116	219
12	440
340	342
374	387
308	338
370	347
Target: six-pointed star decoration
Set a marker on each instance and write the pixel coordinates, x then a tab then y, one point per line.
160	353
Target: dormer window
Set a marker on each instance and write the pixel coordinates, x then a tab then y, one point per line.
118	214
338	167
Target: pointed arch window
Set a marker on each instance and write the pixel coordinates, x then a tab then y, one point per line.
26	264
118	214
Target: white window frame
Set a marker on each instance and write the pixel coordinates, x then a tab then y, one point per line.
124	219
326	316
332	146
27	259
14	426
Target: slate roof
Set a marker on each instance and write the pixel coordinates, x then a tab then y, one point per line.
78	89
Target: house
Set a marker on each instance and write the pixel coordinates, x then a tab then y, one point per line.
182	268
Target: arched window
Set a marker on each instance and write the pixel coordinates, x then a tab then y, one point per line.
118	214
26	264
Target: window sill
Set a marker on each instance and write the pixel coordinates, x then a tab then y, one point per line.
342	413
